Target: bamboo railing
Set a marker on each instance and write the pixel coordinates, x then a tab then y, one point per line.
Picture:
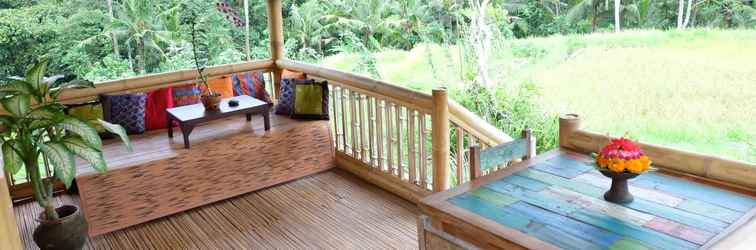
724	171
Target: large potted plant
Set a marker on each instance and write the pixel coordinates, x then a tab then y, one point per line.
36	134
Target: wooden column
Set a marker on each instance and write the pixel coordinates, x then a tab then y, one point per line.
568	124
9	237
275	30
440	133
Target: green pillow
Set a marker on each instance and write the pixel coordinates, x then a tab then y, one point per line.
310	100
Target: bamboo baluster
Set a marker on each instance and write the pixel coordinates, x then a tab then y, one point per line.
363	129
353	120
460	147
366	130
423	160
411	149
379	108
399	153
332	122
390	140
371	135
344	120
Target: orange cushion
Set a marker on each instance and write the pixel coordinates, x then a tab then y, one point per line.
222	86
286	74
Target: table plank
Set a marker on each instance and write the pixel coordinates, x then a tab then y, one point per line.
684	188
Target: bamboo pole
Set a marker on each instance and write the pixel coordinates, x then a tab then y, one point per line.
9	235
344	96
476	126
379	108
397	94
399	153
371	131
411	149
390	139
159	80
440	131
275	30
460	151
423	158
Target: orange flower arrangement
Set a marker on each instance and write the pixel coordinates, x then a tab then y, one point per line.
622	155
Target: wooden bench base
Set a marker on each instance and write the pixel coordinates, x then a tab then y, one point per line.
213	170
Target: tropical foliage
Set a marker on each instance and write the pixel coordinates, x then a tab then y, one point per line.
36	129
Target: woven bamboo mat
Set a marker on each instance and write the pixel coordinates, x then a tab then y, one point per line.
210	171
329	210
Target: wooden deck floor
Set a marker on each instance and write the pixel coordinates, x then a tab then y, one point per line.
330	210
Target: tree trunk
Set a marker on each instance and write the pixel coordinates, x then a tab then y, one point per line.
680	13
112	34
141	56
481	41
687	14
246	28
617	6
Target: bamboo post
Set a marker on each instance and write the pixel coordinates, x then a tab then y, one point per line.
568	124
440	131
275	29
9	235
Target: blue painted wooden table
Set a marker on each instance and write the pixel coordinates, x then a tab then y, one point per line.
556	201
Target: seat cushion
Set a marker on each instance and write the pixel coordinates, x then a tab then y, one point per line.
252	84
126	110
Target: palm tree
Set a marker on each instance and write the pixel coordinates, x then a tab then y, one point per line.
305	23
138	23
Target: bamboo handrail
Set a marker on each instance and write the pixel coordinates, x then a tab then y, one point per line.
476	126
412	98
159	80
730	172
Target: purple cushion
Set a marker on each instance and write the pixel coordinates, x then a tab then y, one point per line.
125	110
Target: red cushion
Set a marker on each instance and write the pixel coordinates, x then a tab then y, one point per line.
157	102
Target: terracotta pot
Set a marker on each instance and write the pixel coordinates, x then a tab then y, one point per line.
211	102
619	192
70	231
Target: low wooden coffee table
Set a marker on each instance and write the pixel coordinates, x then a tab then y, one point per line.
190	115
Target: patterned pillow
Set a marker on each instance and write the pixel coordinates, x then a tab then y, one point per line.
252	84
310	100
125	110
185	95
222	86
286	101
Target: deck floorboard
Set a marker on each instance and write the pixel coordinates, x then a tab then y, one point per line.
330	210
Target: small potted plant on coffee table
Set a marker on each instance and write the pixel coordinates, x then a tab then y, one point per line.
37	134
210	99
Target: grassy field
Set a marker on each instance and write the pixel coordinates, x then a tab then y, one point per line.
693	89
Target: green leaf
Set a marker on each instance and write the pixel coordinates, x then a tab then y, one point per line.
17	105
117	129
86	152
6	120
35	75
62	160
48	112
83	129
11	160
14	86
